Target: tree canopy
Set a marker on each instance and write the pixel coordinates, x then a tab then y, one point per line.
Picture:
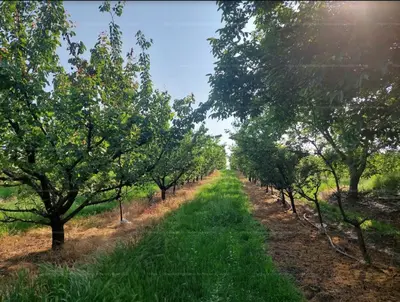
326	67
85	132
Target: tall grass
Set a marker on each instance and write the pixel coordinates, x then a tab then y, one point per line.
210	249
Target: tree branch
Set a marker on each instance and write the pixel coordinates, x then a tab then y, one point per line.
15	219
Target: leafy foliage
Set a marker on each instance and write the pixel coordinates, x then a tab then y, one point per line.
83	133
323	66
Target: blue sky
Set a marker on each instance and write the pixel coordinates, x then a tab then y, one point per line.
180	56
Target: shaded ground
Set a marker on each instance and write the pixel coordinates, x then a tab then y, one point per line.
382	208
85	236
322	274
382	228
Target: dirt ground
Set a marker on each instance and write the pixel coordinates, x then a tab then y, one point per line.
86	236
300	251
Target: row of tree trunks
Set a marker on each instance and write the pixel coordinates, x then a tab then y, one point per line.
176	185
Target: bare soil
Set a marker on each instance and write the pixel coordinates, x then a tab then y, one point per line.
86	236
304	254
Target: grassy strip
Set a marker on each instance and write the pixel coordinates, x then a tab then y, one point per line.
17	226
210	249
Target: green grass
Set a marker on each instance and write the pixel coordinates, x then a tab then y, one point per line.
332	212
6	193
210	249
18	227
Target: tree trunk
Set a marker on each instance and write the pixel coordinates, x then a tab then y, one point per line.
173	190
361	244
201	177
197	178
283	199
255	180
319	213
292	201
272	190
354	180
163	194
57	233
120	208
266	189
250	179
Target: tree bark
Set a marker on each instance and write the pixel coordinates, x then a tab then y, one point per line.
354	180
250	179
120	209
57	233
319	213
283	199
266	189
272	190
292	201
197	178
355	224
163	194
361	244
174	188
201	177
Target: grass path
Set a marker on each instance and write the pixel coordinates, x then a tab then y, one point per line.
210	249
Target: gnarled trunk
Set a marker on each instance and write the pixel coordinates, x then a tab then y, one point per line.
163	191
57	233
